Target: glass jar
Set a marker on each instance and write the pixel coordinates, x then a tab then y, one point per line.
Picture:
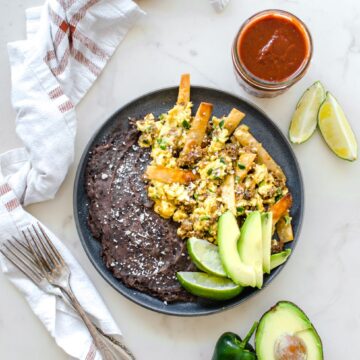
268	88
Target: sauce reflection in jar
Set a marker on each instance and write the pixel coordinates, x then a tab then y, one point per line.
271	52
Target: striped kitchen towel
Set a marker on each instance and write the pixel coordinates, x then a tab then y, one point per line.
68	44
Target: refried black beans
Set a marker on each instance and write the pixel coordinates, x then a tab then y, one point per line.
138	246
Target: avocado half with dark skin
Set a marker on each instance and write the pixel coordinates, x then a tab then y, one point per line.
286	333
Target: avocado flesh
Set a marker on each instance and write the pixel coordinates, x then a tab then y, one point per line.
279	258
285	318
250	245
266	225
227	237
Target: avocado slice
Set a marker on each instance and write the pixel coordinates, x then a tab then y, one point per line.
266	225
279	258
227	237
250	245
285	332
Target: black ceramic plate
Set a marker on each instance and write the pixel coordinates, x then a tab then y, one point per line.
161	101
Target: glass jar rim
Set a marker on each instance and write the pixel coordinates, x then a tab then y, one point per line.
261	83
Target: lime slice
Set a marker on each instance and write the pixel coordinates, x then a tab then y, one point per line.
208	286
336	129
304	120
205	256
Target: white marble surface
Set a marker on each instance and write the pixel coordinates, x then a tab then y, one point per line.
183	35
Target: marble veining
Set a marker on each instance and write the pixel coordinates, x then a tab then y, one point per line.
184	35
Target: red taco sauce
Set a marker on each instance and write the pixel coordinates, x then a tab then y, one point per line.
272	47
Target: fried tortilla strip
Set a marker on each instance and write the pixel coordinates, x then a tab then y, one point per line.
243	164
169	175
284	229
243	136
281	207
197	131
228	193
184	90
233	120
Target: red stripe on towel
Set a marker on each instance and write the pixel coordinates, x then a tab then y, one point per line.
66	4
55	17
50	55
82	12
62	64
4	188
64	25
12	204
91	354
91	45
66	106
80	57
67	29
55	93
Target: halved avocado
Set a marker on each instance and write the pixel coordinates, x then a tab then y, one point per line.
286	333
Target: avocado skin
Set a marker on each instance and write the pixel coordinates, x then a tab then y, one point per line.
303	316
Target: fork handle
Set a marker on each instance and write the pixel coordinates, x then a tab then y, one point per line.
105	350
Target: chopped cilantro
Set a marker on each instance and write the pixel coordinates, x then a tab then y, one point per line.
209	172
196	196
287	219
240	209
278	195
145	141
222	160
185	124
221	124
162	143
161	116
241	166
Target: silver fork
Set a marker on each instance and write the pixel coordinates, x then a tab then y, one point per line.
21	257
43	264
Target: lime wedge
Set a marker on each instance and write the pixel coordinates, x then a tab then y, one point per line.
208	286
336	129
304	120
205	256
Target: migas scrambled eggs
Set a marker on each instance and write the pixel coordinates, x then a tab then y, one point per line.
198	205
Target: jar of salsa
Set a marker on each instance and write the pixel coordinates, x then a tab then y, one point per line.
271	52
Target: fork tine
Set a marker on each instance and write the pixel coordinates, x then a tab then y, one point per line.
40	259
52	246
45	245
23	245
24	250
21	265
20	257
